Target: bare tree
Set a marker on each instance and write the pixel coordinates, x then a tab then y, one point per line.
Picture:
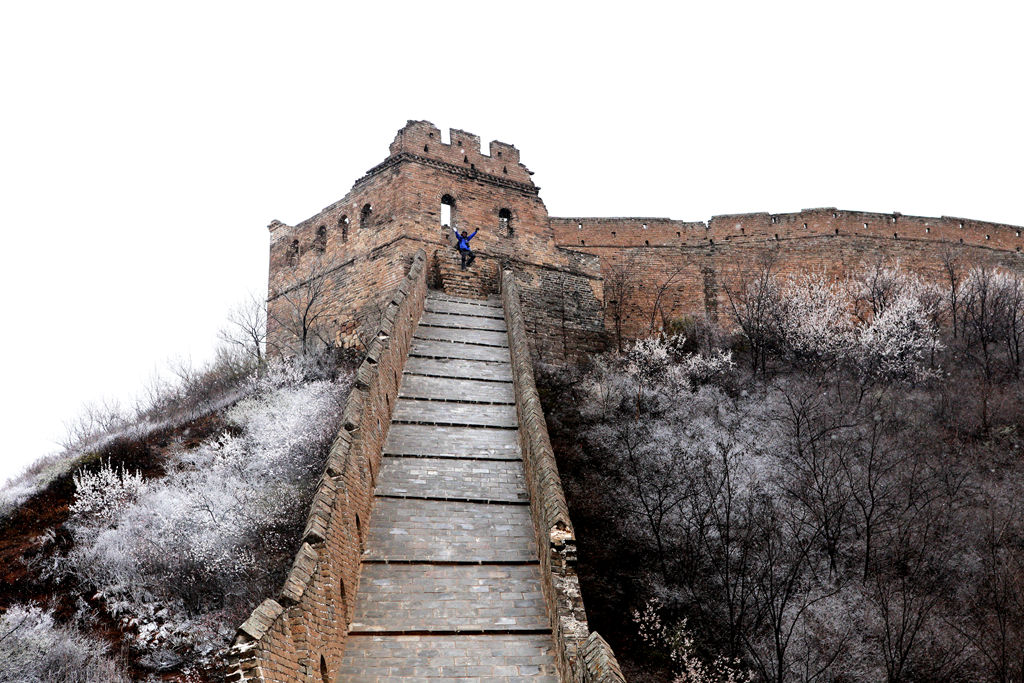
954	274
247	328
753	303
619	282
660	290
300	311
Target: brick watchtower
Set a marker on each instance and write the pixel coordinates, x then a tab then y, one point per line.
349	257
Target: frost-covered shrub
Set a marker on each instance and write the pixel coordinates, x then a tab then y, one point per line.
104	494
190	554
896	343
812	322
678	642
646	360
194	392
704	368
35	649
657	359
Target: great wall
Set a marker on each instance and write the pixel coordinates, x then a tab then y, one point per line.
439	543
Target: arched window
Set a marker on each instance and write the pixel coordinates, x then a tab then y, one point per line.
320	242
343	224
366	216
293	252
505	223
447	210
324	674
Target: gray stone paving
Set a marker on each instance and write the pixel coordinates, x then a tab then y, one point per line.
463	308
462	335
452	478
473	322
429	348
450	531
423	597
454	413
487	659
444	388
450	585
449	367
452	442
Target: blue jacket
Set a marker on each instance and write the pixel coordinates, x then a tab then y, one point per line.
464	241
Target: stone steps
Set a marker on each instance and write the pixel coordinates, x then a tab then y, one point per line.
450	584
467	390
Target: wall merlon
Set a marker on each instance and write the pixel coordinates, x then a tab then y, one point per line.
502	150
299	576
423	139
353	412
261	619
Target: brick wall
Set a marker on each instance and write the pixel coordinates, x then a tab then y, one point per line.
493	193
300	634
675	268
582	279
580	654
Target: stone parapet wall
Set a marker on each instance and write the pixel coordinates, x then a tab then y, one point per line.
665	232
300	634
580	654
657	269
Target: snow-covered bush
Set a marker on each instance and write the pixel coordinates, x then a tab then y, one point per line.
678	642
812	322
194	391
646	360
651	361
104	494
35	649
702	368
896	343
186	556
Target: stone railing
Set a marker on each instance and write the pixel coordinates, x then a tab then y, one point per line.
300	635
580	654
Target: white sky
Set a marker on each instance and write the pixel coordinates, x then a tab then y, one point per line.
144	148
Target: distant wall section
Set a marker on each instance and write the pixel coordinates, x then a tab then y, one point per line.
655	269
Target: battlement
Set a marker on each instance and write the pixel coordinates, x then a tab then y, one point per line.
764	226
423	139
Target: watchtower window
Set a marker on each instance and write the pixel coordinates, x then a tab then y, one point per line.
320	243
366	216
505	222
293	252
447	210
343	224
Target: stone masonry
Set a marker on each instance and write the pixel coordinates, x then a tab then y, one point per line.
438	545
450	586
582	279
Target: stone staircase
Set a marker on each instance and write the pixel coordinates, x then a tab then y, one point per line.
450	582
476	282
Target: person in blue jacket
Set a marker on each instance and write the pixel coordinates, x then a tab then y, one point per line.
464	250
